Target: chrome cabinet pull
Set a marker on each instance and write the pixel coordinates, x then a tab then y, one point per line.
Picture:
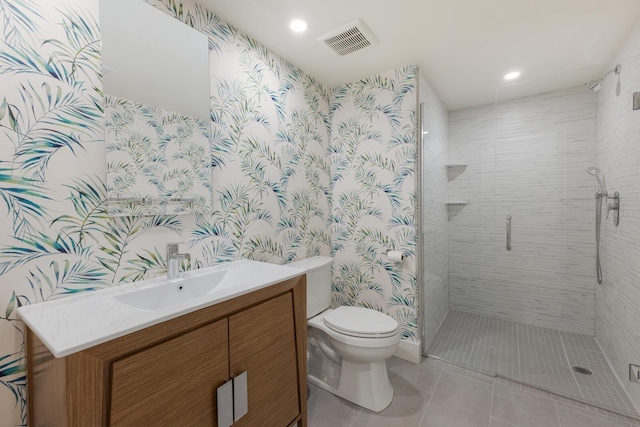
225	404
508	232
240	396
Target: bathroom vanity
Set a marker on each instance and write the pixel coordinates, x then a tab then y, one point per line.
242	348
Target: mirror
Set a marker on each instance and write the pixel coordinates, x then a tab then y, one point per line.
156	106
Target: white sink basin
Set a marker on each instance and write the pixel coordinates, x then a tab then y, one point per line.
68	325
180	290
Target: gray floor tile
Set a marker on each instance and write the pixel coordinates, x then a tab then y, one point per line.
484	377
423	376
536	333
483	354
506	347
454	348
326	410
499	423
391	361
616	402
603	377
571	418
406	409
462	398
533	350
571	404
312	389
547	375
554	396
522	408
509	371
536	356
585	342
459	401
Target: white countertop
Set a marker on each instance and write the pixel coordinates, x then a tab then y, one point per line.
75	323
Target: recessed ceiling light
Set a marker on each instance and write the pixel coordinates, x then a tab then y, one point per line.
298	25
512	75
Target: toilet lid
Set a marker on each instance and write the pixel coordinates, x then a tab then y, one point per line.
361	322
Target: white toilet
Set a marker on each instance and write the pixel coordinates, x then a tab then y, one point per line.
348	346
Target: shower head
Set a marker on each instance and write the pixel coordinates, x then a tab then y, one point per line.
592	170
595	85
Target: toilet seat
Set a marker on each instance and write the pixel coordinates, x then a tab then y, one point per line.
361	322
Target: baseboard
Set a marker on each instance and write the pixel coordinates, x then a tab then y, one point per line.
409	350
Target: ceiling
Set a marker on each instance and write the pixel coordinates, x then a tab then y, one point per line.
464	47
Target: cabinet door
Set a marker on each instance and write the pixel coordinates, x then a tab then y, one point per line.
173	383
263	343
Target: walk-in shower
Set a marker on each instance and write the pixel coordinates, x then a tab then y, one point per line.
526	311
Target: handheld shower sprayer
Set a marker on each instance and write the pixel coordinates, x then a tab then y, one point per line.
600	194
594	171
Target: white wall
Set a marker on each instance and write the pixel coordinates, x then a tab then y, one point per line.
526	158
435	286
618	156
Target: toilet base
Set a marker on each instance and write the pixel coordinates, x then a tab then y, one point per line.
364	383
353	368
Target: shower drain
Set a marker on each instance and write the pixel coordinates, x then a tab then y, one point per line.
581	370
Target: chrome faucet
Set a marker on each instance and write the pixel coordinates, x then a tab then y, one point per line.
173	260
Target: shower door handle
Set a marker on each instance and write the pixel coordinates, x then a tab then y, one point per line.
508	232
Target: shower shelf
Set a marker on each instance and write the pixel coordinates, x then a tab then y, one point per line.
456	202
456	165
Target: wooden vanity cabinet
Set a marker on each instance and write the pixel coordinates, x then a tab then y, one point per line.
172	383
168	374
262	343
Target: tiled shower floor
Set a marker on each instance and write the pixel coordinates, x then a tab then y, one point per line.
535	356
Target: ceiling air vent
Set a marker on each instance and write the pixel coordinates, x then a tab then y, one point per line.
349	38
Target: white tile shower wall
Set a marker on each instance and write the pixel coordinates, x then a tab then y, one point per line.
618	156
435	286
526	158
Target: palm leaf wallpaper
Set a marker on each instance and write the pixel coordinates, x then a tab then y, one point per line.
158	161
282	188
373	157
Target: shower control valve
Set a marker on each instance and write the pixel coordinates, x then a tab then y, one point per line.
615	207
634	373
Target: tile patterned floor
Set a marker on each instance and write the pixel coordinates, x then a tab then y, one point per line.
539	357
438	394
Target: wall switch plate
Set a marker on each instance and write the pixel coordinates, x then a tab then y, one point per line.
634	373
636	101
